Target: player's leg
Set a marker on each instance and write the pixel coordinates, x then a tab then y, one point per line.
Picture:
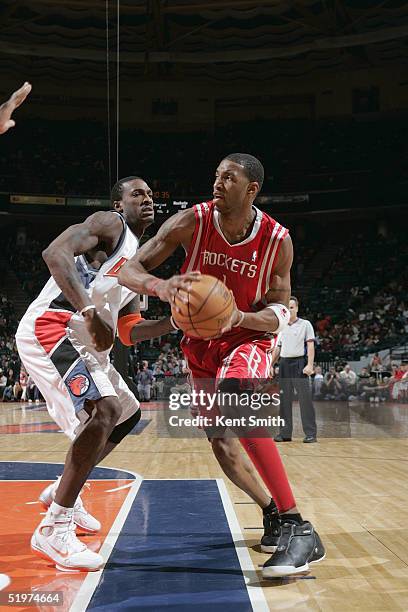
47	370
303	388
130	412
238	469
67	385
286	399
251	361
55	537
298	544
87	448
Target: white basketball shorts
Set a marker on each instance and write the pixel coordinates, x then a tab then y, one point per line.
67	375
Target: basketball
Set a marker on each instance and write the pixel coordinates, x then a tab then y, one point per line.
209	308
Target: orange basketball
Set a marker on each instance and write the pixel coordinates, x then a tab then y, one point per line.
208	310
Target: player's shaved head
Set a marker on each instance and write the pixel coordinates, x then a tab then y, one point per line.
254	170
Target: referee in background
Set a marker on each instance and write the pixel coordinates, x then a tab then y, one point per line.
296	350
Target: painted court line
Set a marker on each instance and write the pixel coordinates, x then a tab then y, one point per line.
255	593
126	486
92	580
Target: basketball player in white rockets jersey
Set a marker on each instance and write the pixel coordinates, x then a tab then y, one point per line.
64	340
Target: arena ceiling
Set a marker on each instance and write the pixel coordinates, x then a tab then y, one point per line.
218	40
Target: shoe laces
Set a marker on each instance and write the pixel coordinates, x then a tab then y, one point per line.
272	524
286	534
65	533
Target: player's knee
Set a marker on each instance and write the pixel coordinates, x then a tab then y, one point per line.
107	414
122	430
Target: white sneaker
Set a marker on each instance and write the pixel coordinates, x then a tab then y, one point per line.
4	581
55	540
82	517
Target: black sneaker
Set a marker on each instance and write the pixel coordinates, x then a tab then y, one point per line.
280	438
298	546
272	531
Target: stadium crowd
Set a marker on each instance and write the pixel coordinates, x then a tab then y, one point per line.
343	154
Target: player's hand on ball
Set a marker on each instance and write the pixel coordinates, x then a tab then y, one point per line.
236	317
308	370
167	290
6	109
101	333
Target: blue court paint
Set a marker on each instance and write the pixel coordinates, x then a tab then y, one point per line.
175	553
141	426
16	470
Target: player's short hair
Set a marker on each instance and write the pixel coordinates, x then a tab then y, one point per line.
292	297
252	166
117	189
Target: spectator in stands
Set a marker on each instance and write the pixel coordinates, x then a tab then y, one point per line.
348	379
158	382
332	388
399	383
317	383
144	381
33	393
3	382
376	363
368	389
364	373
8	395
23	383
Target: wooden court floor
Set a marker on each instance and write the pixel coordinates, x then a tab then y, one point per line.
352	487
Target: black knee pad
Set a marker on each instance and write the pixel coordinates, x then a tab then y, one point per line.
122	430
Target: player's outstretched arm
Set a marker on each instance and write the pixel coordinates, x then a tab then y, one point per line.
272	317
60	259
8	107
132	328
151	328
176	231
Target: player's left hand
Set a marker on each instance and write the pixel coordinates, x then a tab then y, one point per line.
308	370
8	107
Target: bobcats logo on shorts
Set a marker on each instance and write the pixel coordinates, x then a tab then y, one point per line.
78	384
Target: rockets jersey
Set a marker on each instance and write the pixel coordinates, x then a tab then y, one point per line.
50	317
246	267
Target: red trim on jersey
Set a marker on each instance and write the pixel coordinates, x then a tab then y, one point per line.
114	271
195	242
50	327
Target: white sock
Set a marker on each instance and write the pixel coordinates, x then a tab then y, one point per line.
57	509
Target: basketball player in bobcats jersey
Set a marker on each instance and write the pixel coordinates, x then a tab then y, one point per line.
64	340
251	253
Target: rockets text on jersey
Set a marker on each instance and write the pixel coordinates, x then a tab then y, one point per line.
245	267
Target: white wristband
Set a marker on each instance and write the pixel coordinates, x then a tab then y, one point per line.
240	320
282	314
86	308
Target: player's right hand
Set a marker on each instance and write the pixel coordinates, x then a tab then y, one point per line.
167	290
6	109
101	333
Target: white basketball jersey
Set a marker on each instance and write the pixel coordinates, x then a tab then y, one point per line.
50	309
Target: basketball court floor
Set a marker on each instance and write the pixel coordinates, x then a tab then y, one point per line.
178	537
